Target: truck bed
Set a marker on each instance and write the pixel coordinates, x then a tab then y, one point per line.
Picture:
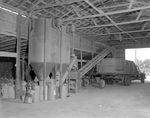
116	66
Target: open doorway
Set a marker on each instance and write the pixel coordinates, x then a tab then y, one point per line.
141	57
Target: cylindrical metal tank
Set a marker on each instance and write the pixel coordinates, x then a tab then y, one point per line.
42	31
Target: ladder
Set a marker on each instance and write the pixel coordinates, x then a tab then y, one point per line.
88	66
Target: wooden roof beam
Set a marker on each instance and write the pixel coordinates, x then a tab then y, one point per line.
3	5
53	5
102	12
122	23
144	25
7	54
124	32
109	13
131	4
139	15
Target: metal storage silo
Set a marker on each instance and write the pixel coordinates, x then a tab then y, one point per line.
41	31
48	53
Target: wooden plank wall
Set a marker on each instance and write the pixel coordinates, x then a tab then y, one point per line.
8	24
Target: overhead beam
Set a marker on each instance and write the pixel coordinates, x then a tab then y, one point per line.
53	5
33	6
138	37
115	6
139	15
3	5
122	23
7	54
148	34
124	32
144	25
146	37
109	13
131	4
102	12
142	3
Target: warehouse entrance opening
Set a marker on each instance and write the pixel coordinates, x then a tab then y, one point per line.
141	58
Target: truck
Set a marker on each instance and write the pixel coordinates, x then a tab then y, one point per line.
115	70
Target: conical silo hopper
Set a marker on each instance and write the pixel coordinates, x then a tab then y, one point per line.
42	32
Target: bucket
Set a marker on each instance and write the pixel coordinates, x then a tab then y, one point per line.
41	92
57	83
51	92
11	92
5	91
57	93
97	79
23	90
46	88
63	91
29	96
0	92
36	94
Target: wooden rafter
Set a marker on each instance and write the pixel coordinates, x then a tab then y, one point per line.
57	4
144	25
122	23
124	32
109	13
101	12
139	15
131	4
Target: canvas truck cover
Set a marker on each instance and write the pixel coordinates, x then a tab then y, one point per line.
116	66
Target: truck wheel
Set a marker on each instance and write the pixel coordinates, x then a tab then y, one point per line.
127	81
102	83
110	81
123	81
142	78
86	82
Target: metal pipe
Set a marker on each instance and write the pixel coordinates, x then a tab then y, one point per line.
60	82
44	69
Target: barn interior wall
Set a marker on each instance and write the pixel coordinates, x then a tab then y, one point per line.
8	24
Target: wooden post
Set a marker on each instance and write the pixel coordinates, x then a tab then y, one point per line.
23	68
28	64
92	49
81	49
44	69
72	49
60	81
17	82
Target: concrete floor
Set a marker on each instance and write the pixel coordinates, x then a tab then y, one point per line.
114	101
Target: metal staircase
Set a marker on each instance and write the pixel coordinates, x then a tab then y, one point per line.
88	66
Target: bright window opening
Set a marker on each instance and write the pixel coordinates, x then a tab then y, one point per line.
141	56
